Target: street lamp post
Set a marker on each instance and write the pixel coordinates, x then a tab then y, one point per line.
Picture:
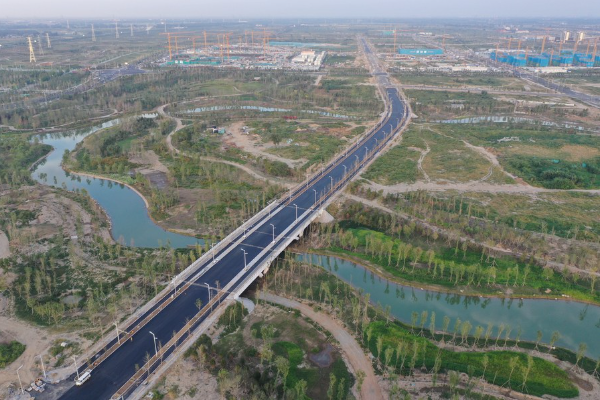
117	329
154	336
20	383
245	266
366	151
76	369
43	368
213	252
296	205
357	159
330	177
345	169
273	232
208	286
315	190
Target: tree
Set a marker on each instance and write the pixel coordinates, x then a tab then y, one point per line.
283	368
360	378
331	389
538	339
512	363
580	353
555	337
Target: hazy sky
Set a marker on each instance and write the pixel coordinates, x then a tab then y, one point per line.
52	9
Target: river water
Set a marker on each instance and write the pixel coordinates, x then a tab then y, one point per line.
576	322
263	109
131	223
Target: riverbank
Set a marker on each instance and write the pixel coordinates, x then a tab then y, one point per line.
438	288
144	199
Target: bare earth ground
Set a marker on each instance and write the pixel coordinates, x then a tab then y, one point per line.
187	377
251	143
4	247
350	348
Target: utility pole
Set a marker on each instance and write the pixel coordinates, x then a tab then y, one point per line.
76	369
48	40
43	368
31	53
20	383
93	34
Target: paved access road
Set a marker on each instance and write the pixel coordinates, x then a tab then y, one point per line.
257	244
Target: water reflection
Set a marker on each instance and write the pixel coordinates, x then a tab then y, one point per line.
131	224
576	322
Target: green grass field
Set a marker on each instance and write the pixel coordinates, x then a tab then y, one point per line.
503	368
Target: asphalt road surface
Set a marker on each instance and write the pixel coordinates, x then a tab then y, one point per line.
120	366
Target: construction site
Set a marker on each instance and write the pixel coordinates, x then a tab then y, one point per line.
570	49
252	50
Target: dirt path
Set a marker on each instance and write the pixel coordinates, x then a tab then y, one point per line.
375	204
36	340
473	186
354	353
421	158
251	172
244	142
4	246
178	126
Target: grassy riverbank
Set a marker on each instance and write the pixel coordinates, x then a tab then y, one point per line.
412	259
402	349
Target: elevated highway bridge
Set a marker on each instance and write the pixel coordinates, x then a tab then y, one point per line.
148	342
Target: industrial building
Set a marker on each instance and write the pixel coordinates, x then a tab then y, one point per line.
420	52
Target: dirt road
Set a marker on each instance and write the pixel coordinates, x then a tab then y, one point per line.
352	350
4	248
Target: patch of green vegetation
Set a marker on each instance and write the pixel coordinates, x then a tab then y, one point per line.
18	154
335	59
399	164
428	260
451	80
394	345
232	317
424	102
9	352
556	174
320	149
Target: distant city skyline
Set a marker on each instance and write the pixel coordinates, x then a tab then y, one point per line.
300	9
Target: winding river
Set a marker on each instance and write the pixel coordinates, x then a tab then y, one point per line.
576	322
132	225
129	217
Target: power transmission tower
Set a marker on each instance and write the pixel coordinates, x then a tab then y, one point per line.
93	34
31	53
116	29
48	40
